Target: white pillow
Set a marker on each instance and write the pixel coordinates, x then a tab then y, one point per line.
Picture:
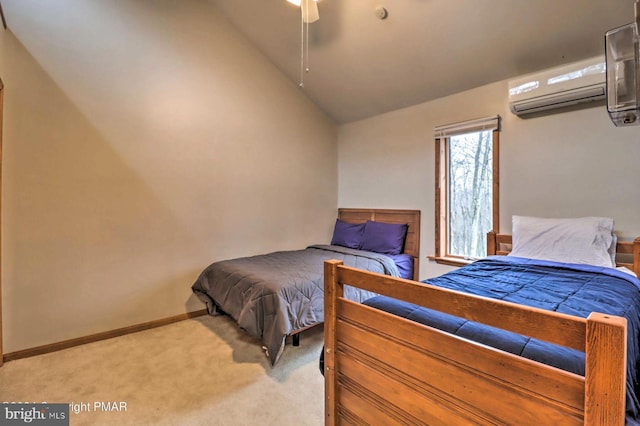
612	248
626	270
585	240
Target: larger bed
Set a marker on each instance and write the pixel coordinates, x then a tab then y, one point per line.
275	295
500	341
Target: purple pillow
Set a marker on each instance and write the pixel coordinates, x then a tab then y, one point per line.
347	234
385	238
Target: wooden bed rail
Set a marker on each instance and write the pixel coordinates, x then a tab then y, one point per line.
501	244
383	369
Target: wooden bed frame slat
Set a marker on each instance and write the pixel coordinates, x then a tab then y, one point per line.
368	384
449	383
511	316
401	343
379	363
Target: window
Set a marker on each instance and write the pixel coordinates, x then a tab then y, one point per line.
466	189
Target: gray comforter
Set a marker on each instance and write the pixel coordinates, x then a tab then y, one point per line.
272	295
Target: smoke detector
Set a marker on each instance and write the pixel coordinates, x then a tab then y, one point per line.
381	12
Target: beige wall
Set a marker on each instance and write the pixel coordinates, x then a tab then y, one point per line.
141	143
562	165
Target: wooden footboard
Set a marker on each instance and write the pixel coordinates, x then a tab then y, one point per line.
383	369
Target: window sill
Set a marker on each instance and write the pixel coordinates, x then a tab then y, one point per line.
451	261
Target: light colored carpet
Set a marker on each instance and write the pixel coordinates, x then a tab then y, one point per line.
202	371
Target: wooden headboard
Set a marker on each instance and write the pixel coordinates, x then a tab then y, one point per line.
501	244
410	217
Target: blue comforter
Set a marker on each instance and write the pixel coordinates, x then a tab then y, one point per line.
562	287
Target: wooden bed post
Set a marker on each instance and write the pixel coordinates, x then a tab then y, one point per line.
332	291
492	245
605	370
636	256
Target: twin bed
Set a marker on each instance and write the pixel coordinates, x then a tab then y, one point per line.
504	340
280	294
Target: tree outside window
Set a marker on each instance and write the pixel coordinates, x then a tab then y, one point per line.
470	194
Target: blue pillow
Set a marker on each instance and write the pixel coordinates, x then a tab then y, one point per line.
347	234
385	238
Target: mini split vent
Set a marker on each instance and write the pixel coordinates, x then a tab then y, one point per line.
560	87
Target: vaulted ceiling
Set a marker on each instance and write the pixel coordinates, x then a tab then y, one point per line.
360	65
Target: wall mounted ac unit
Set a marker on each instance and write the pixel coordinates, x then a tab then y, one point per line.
559	87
